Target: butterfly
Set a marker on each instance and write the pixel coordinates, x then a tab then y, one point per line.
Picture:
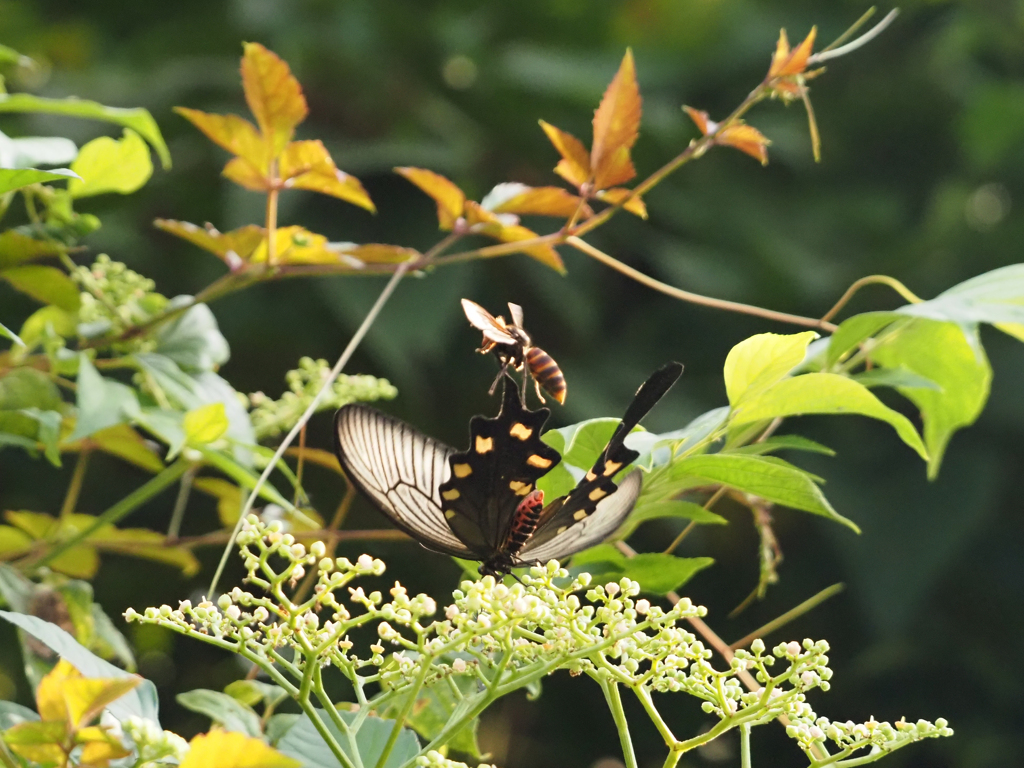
483	503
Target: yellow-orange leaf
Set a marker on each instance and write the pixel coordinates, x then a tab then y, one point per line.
100	749
121	441
246	175
786	62
301	156
228	495
536	201
449	198
375	253
574	166
701	120
616	126
39	742
235	134
745	138
296	245
477	215
318	456
328	180
616	195
221	749
87	696
273	94
234	247
149	545
513	233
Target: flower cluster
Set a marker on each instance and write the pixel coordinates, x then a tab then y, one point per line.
434	759
153	746
115	298
272	417
505	637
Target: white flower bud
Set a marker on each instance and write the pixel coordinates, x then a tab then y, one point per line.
223	602
233	612
459	665
642	607
317	549
365	562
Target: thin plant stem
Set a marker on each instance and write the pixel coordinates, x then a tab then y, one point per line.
745	745
892	282
693	523
128	504
75	486
611	695
335	372
867	37
271	217
788	616
180	503
300	465
403	715
696	298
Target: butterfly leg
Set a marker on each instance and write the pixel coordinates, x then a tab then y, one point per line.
494	384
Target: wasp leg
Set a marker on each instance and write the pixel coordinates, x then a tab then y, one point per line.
536	386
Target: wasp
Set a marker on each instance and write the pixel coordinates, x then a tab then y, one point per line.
512	346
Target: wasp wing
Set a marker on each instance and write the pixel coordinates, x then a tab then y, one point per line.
608	515
516	313
486	323
400	470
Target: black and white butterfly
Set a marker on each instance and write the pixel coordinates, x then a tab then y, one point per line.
483	503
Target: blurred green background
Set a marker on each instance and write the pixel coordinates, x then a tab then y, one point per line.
921	178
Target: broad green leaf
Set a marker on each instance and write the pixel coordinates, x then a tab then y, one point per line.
557	482
10	56
15	590
138	119
28	388
588	439
253	692
303	742
193	340
894	377
758	362
164	425
108	641
940	353
46	284
772	479
666	509
279	725
140	542
12	542
784	442
17	248
11	714
16	178
656	450
434	707
854	330
57	320
102	402
994	297
9	334
655	572
111	165
224	710
824	393
141	702
122	441
224	749
30	151
205	424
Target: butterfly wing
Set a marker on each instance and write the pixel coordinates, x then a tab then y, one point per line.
608	515
488	481
401	471
598	486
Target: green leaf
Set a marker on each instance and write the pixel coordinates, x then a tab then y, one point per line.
655	572
253	692
9	334
17	248
784	442
16	178
122	441
138	119
141	701
588	439
46	284
655	450
304	743
59	321
994	297
108	639
434	707
772	479
853	331
943	354
244	477
15	589
671	509
30	151
824	393
12	713
164	425
109	165
896	378
205	424
193	340
224	710
758	362
28	388
102	402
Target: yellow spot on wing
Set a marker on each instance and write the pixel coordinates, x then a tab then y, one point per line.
484	444
591	475
580	515
450	495
597	493
450	514
538	461
563	529
520	488
520	431
462	470
611	467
